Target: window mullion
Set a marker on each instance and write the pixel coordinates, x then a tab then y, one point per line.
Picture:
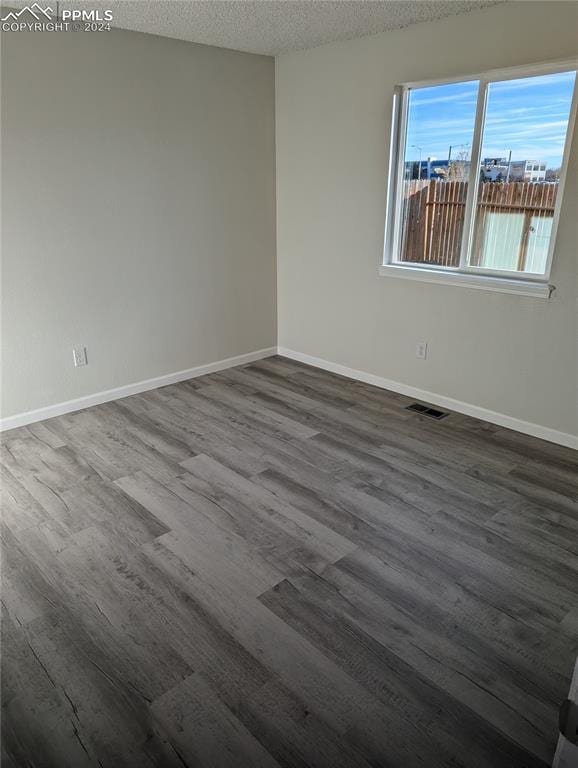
393	185
403	96
473	181
562	181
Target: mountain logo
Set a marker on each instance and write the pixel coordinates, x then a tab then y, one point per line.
34	10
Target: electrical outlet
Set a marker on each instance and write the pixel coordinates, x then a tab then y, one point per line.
79	356
421	350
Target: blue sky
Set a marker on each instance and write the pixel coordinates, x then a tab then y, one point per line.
528	116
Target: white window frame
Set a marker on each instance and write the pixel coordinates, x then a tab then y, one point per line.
503	281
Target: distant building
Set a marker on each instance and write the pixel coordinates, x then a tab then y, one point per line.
527	170
493	169
500	169
433	169
496	169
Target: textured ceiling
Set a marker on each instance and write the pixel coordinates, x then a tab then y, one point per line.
269	26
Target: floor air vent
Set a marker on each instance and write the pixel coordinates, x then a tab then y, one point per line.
426	410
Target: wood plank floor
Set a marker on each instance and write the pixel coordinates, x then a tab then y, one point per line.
275	566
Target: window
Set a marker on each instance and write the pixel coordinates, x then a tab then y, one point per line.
476	178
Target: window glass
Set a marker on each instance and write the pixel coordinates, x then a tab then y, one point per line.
525	118
436	166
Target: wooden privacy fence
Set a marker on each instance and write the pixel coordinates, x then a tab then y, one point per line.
434	215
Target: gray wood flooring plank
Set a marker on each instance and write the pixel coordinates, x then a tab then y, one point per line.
402	555
39	725
331	695
326	544
257	410
204	730
390	678
539	524
413	538
452	668
294	734
196	538
530	491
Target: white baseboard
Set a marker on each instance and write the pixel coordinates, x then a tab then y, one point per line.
501	419
21	419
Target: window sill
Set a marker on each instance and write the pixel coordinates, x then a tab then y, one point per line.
466	280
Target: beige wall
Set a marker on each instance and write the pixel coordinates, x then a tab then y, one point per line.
138	180
510	354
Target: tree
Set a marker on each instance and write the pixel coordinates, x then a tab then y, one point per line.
553	174
459	168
